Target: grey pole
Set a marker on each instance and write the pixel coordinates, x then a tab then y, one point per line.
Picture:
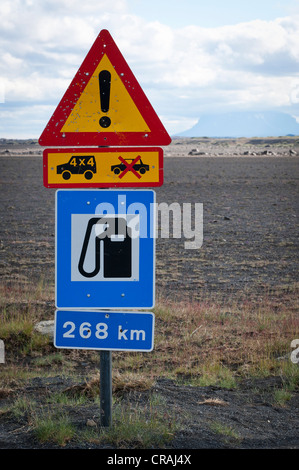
106	387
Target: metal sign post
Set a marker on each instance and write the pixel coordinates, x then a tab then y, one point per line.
106	388
105	240
104	331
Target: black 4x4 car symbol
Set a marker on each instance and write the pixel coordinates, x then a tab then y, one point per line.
78	165
140	166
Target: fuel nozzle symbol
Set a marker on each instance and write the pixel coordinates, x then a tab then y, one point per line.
112	248
105	85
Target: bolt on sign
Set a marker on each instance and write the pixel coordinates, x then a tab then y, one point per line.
104	105
103	167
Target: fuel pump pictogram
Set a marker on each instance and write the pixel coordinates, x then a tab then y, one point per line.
116	238
109	249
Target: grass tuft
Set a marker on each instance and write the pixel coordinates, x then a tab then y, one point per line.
56	429
227	432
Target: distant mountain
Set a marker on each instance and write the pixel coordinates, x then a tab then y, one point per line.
244	124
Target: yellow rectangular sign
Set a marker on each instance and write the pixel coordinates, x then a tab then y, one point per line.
103	167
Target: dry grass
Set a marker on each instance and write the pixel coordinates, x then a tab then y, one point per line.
213	402
210	341
204	342
207	342
25	293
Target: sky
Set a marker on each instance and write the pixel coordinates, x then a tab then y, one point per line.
191	57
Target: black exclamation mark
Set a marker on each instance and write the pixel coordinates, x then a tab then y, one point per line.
105	83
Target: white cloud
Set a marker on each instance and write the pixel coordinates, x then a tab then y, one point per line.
10	61
19	122
34	88
184	72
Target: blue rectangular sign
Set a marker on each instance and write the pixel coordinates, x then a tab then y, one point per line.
105	249
113	331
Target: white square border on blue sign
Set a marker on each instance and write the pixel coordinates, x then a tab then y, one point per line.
107	294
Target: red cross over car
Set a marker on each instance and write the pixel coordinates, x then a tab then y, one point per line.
140	166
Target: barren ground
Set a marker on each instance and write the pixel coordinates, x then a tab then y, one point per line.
249	191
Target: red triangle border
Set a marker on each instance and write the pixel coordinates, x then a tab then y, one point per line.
52	135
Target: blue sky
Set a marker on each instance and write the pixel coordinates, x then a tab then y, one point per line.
209	14
191	57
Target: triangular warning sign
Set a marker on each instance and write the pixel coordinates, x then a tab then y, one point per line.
104	105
